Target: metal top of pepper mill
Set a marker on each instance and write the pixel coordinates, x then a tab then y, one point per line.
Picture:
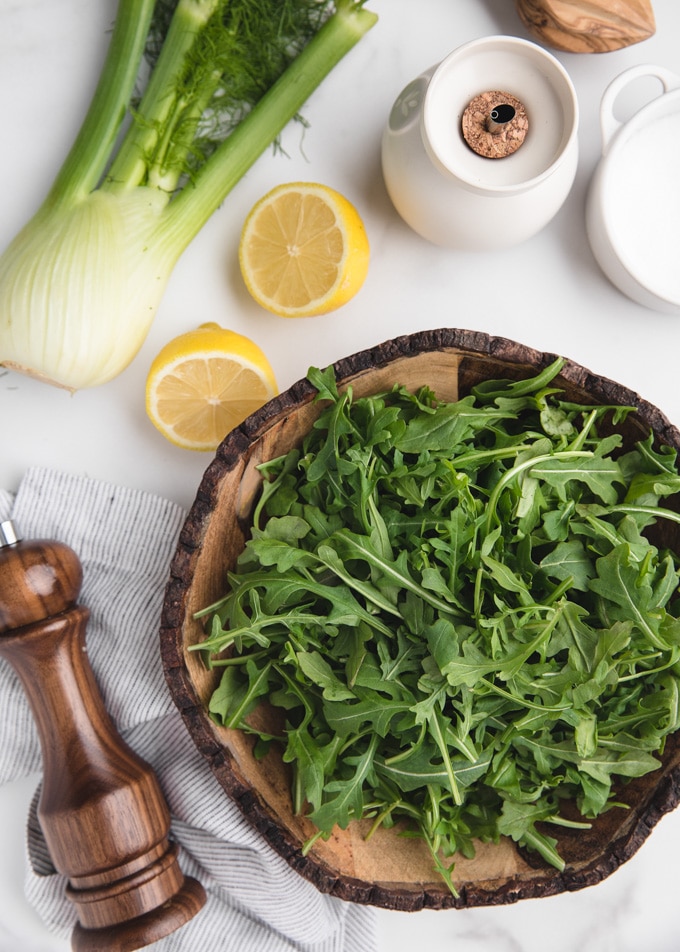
8	534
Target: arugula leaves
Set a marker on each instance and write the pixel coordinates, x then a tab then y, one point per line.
458	612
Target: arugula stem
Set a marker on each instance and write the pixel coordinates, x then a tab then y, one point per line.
308	844
436	730
87	159
381	817
234	660
252	631
656	462
559	591
558	820
605	528
580	439
542	846
514	471
251	693
409	751
358	546
522	702
675	653
654	512
446	872
479	456
294	690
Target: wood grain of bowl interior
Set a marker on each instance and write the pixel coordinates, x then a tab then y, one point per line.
389	871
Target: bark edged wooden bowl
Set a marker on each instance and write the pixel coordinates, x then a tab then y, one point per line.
389	871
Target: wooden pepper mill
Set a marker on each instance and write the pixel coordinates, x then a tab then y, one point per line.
101	810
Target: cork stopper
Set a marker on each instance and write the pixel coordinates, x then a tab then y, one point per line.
495	124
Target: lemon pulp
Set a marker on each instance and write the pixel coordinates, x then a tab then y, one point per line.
204	383
303	250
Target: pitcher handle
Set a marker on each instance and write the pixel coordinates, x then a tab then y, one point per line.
609	124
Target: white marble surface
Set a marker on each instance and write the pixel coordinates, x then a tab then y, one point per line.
557	300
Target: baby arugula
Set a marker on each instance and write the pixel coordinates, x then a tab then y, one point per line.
457	609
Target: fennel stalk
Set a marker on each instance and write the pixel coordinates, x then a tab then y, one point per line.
81	282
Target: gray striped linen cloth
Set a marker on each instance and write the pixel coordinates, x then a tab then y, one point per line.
125	540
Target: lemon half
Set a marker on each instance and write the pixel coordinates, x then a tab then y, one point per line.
204	383
303	250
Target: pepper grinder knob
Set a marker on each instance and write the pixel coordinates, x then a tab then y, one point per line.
101	809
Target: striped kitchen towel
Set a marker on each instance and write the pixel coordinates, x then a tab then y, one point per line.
125	540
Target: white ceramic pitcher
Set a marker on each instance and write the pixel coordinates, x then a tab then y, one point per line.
633	203
446	191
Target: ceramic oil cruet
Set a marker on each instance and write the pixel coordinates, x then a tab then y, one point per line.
480	152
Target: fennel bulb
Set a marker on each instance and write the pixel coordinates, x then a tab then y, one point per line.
81	283
79	288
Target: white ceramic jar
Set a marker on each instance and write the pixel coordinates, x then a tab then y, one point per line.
633	203
457	198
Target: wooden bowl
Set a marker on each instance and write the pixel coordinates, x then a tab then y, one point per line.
389	871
